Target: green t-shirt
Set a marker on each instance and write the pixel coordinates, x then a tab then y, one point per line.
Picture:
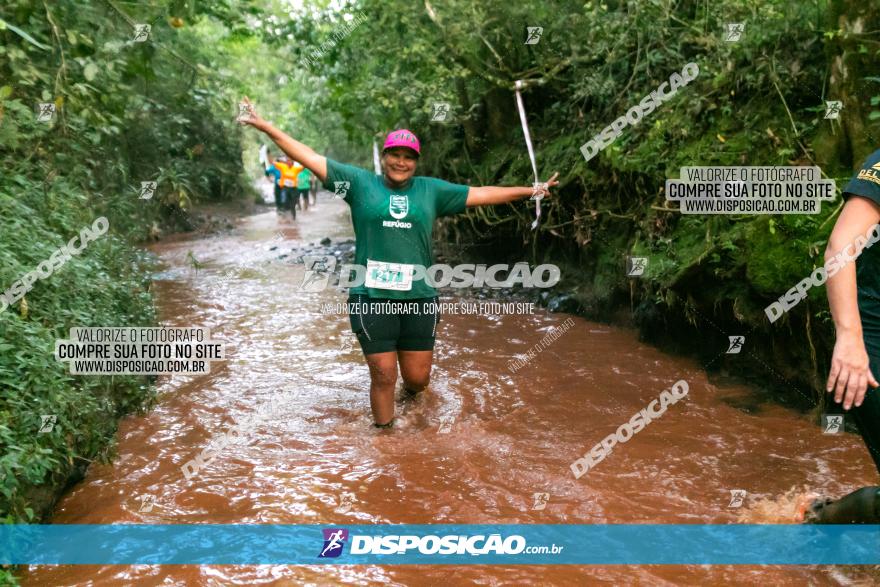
867	185
304	179
393	226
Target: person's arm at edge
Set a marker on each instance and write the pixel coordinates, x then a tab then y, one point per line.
849	375
489	195
293	148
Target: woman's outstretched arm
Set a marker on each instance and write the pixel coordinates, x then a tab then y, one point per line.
293	148
490	195
850	375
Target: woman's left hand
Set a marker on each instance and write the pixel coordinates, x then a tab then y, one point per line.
542	190
248	115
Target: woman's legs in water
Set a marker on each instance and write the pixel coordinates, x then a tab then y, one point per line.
415	367
383	376
392	333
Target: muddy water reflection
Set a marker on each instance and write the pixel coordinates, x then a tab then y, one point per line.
307	454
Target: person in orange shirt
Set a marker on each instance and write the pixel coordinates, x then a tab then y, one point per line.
287	183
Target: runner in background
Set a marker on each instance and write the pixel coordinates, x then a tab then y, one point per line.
394	315
303	185
854	299
273	172
289	170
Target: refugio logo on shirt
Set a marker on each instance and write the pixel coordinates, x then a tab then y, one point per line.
398	206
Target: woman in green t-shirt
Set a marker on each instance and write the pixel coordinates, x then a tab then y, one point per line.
393	313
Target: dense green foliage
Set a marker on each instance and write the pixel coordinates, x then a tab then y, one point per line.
126	112
758	101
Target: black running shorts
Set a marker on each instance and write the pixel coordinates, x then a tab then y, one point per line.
383	325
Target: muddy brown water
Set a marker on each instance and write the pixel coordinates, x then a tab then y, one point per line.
474	449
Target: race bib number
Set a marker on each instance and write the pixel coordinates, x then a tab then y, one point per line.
396	276
288	183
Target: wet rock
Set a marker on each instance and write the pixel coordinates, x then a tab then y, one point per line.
326	241
565	302
273	248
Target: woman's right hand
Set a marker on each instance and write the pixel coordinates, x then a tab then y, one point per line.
850	374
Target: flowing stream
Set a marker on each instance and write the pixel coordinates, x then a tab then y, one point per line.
475	448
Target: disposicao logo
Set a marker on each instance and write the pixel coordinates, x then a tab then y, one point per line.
334	542
449	544
408	545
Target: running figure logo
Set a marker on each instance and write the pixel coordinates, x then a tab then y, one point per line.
346	499
736	344
398	206
227	275
541	500
245	111
346	344
635	266
318	270
47	423
147	503
334	541
445	424
45	111
832	423
533	34
734	31
737	497
148	188
340	188
141	33
440	111
832	109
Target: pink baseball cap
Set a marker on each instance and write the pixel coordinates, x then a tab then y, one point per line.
402	138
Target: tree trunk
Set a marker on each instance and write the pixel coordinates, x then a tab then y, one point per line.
852	57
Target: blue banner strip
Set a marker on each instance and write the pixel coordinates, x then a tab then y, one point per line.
551	544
